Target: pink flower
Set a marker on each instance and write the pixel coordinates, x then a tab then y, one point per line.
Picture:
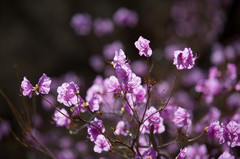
120	129
226	155
156	120
143	46
182	118
184	59
95	131
81	23
183	154
44	84
68	94
60	119
125	18
26	87
119	58
101	144
42	87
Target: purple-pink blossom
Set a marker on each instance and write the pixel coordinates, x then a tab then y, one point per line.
109	49
184	59
214	129
43	86
125	18
81	23
60	119
183	154
103	26
68	94
120	129
156	120
101	144
231	134
119	58
95	129
182	118
226	155
142	45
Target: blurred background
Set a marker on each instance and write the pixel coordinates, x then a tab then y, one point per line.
40	37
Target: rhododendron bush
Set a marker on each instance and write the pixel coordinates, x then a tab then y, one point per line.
127	111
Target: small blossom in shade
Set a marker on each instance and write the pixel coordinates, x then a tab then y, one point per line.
68	94
184	59
4	128
125	18
143	46
231	134
94	131
156	120
60	119
226	155
103	26
101	144
81	23
150	153
182	118
42	87
26	87
109	49
183	154
120	129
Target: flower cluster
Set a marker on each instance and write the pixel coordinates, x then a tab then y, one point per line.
135	112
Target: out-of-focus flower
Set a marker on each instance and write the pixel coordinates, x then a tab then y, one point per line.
4	129
103	26
96	62
139	67
125	18
60	119
43	86
101	144
182	118
226	155
197	151
184	59
211	86
142	45
81	23
120	129
109	49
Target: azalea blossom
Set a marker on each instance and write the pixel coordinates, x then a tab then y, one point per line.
184	59
43	86
142	45
101	144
